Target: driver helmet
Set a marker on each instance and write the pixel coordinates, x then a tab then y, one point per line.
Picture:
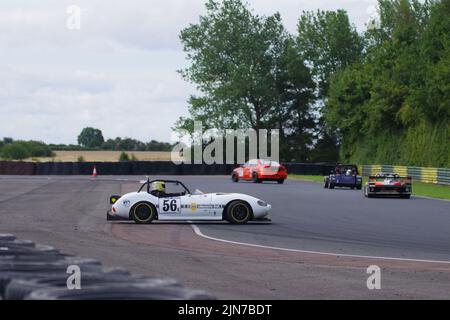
158	186
349	172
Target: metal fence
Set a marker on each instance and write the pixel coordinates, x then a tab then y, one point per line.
428	175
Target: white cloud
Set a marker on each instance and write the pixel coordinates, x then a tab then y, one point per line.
117	73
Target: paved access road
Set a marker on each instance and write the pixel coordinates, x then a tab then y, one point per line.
69	213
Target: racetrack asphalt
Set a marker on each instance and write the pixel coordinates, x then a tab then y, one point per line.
69	213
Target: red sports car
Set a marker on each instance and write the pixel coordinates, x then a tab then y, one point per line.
258	170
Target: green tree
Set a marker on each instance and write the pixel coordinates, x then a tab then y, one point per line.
91	138
15	151
235	57
7	140
154	145
328	42
38	148
124	157
296	120
246	69
19	150
393	106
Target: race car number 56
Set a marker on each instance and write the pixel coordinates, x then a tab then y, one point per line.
171	205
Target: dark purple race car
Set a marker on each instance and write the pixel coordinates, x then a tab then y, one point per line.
345	176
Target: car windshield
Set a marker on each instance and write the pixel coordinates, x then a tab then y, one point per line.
270	163
163	187
390	176
198	192
347	169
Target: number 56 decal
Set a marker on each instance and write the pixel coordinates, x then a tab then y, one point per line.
169	205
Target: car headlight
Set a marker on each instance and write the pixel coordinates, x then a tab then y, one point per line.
262	203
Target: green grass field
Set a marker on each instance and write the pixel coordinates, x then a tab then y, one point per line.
419	188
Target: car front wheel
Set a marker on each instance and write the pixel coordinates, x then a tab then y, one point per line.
234	178
238	212
143	213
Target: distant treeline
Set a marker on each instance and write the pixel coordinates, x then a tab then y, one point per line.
117	144
92	139
18	150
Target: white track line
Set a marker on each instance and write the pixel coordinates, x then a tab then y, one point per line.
200	234
429	198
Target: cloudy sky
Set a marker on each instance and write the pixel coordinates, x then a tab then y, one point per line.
117	72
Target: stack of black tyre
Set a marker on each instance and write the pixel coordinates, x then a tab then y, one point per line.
37	272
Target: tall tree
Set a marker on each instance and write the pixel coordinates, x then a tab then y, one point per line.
328	43
91	138
243	66
235	57
296	120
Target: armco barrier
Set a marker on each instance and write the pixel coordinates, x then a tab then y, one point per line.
428	175
142	168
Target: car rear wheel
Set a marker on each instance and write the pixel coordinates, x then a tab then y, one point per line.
255	178
367	193
234	177
143	213
405	196
238	212
331	185
280	181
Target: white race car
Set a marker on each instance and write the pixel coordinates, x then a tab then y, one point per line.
154	202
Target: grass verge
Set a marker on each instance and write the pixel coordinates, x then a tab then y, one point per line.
419	188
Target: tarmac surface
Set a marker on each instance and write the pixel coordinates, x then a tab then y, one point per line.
318	245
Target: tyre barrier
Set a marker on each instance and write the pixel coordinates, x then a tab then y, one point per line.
119	292
18	289
15	269
143	168
6	237
15	243
39	272
18	250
